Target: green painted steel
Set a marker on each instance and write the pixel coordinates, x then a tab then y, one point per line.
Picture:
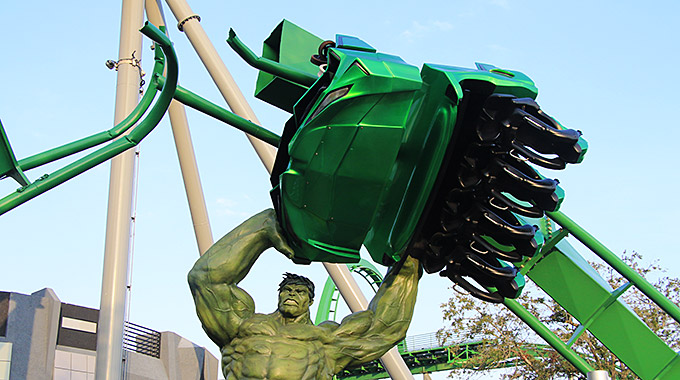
291	46
375	109
375	144
435	359
209	108
279	69
8	162
544	332
568	278
98	138
419	362
116	147
672	370
328	301
610	258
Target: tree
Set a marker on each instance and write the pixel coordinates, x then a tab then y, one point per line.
506	342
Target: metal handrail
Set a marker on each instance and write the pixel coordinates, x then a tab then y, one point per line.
142	340
267	65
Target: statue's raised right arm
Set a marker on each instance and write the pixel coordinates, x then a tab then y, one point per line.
367	335
220	304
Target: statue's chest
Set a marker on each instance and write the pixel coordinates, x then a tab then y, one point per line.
263	325
267	349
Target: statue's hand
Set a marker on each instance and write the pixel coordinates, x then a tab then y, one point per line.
275	234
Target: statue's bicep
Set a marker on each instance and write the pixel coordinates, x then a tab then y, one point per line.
222	309
360	338
355	324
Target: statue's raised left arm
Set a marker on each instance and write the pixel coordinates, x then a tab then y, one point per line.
220	304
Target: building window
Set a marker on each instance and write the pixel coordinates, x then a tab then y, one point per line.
4	311
5	359
73	366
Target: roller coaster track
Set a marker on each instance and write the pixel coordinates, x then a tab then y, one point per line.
425	354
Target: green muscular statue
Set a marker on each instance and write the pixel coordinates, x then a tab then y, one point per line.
286	344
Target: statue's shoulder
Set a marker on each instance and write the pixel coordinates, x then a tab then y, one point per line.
329	325
259	317
259	324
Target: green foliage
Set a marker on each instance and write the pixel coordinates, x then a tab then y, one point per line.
507	342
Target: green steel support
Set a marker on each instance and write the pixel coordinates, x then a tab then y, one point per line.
428	360
584	326
267	65
327	304
544	332
610	258
98	138
209	108
93	159
434	359
65	150
547	247
568	278
8	163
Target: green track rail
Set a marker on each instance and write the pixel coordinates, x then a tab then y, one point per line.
418	361
573	283
423	354
330	297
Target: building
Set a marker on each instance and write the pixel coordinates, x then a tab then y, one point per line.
43	338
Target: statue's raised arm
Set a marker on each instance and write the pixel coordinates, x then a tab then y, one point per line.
220	304
367	335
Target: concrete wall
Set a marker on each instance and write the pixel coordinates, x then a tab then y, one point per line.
185	360
32	326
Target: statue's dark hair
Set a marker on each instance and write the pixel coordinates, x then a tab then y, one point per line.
290	278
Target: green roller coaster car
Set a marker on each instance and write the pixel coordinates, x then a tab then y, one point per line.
367	154
373	152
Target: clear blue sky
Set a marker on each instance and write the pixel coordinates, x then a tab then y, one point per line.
606	68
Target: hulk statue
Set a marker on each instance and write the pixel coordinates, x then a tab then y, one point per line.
286	345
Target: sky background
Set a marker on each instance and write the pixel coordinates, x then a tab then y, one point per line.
605	68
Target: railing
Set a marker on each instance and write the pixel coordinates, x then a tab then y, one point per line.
431	340
421	342
424	352
142	340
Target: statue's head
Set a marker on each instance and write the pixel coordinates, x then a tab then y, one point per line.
296	294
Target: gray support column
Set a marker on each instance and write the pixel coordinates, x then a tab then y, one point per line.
191	26
118	222
185	154
598	375
192	180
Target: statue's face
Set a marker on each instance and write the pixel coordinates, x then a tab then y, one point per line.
294	300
